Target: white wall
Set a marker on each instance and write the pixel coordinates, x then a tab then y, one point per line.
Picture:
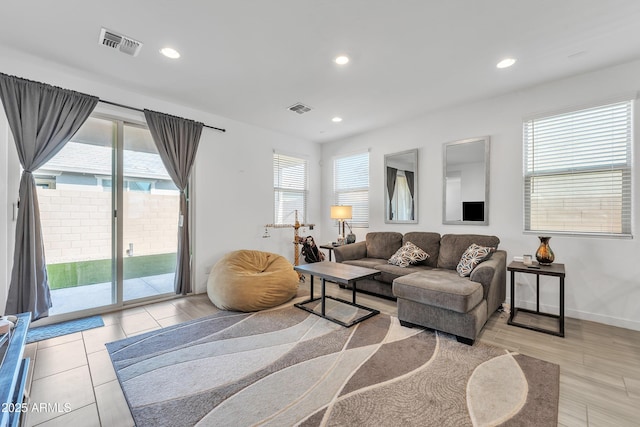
603	274
233	181
234	195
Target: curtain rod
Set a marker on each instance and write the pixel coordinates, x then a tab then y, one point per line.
142	111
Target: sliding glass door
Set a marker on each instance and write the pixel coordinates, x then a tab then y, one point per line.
150	206
109	217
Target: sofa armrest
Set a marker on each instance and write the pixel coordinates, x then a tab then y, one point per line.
492	275
350	251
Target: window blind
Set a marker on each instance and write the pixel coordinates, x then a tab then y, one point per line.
577	171
351	186
289	189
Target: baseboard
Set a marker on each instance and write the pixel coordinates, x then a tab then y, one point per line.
607	320
582	315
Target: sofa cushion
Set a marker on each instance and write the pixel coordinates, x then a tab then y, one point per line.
473	256
452	246
388	272
383	244
439	288
408	254
367	262
428	242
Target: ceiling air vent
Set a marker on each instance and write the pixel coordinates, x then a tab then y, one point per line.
121	42
299	108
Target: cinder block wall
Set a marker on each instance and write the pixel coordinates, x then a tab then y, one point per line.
76	224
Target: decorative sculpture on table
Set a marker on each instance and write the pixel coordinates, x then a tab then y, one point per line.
544	254
351	237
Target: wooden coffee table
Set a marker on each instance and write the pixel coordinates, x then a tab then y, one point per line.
344	274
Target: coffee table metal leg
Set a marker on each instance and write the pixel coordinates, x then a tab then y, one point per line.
353	286
322	297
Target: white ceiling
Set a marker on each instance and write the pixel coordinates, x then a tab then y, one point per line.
251	59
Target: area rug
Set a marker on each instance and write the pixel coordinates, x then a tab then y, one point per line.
286	367
40	333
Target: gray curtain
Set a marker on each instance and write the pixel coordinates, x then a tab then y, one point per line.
411	186
42	119
177	141
392	175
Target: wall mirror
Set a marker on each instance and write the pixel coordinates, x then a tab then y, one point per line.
466	182
401	187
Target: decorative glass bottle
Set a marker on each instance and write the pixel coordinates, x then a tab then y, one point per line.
544	254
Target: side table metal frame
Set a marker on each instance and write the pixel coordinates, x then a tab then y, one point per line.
556	270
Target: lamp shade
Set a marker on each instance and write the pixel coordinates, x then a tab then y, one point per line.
341	212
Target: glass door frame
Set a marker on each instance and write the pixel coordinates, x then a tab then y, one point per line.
117	228
118	176
117	205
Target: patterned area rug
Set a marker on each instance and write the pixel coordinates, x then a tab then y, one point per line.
287	367
40	333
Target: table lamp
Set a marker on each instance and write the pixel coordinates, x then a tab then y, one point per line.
341	213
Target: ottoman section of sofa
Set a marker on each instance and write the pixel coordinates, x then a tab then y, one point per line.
439	288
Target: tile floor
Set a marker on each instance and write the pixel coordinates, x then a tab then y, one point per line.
75	370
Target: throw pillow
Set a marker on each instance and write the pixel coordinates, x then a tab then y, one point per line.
473	256
408	254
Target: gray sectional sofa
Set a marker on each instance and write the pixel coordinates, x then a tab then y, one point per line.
431	293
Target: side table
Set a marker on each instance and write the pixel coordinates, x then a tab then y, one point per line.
556	270
328	247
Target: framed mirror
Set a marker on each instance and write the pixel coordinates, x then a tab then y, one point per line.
465	181
401	187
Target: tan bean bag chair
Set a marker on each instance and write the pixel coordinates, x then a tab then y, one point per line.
251	280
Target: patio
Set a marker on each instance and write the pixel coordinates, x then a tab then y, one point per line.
89	296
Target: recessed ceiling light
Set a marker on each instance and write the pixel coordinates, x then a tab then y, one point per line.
506	63
170	53
336	119
341	60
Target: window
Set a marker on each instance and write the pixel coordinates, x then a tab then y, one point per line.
289	189
577	171
351	186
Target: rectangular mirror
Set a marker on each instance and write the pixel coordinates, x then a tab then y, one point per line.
401	192
466	182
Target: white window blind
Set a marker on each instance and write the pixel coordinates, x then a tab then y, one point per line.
577	171
351	186
289	189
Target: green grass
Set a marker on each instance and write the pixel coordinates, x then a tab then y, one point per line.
71	274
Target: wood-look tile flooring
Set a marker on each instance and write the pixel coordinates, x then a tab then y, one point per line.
599	364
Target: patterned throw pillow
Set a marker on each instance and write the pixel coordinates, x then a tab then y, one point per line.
408	254
473	256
